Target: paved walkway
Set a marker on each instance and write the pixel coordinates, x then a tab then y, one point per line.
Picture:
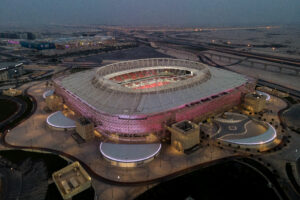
33	133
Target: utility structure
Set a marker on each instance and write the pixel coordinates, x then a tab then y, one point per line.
184	135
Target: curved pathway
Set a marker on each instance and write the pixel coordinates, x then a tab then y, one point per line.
161	169
164	175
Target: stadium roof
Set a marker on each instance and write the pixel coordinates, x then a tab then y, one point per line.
122	103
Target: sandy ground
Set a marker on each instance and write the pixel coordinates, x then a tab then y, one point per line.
140	52
286	80
177	53
285	39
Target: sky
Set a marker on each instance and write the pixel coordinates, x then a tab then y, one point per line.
151	12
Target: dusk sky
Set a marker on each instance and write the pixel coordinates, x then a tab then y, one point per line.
151	12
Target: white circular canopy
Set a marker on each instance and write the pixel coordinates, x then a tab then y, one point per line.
58	120
129	153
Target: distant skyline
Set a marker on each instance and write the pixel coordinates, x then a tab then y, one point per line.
150	12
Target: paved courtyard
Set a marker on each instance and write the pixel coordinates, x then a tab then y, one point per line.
34	133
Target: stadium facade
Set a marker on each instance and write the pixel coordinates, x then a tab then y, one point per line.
135	98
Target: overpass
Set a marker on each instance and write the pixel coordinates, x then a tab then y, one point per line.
253	63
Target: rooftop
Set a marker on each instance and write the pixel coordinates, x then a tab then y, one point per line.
110	101
129	153
184	126
240	129
71	180
48	93
59	120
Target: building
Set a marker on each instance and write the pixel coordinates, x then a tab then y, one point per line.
80	42
184	135
12	92
133	99
10	70
54	103
18	35
254	102
267	90
48	93
58	121
39	45
129	155
240	131
71	180
85	129
10	35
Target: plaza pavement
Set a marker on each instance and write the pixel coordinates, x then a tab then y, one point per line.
34	133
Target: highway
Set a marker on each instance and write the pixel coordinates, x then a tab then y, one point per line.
213	47
276	59
260	82
246	55
292	92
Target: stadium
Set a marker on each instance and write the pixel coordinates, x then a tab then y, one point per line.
133	99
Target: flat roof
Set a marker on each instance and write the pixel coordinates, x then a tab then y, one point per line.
71	180
129	153
264	138
118	103
59	120
48	93
264	94
184	126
